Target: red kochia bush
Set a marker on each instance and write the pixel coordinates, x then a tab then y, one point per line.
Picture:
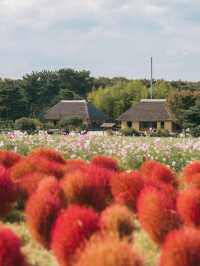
42	209
71	230
75	165
147	167
29	183
105	162
108	251
188	206
32	164
8	192
89	187
191	169
126	187
157	213
10	245
192	180
49	154
155	171
118	220
9	158
181	248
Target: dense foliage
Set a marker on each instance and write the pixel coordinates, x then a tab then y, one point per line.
32	95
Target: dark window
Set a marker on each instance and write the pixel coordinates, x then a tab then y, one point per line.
147	125
129	124
162	124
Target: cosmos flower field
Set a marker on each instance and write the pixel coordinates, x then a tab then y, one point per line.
99	201
130	152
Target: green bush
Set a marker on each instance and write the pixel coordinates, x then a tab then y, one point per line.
27	124
72	124
6	125
195	131
129	132
161	133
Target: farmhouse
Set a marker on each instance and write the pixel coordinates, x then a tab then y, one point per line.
148	114
76	109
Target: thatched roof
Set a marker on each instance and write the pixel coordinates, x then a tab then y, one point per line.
75	108
147	110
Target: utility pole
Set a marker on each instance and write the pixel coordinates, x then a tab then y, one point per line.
151	88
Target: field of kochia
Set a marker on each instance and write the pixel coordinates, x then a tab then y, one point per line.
76	201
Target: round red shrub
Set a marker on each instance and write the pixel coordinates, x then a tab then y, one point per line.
32	164
10	249
75	165
188	206
108	251
147	167
29	183
90	187
181	248
42	209
105	162
191	169
9	158
156	171
72	228
166	188
157	213
119	220
126	187
192	180
49	154
23	167
50	168
8	191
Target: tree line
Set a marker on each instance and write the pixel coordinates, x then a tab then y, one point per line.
34	93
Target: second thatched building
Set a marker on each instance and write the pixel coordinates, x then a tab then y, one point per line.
148	114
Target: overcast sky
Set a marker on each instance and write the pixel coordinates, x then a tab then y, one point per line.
107	37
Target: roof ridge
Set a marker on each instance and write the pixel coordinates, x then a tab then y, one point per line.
68	101
152	100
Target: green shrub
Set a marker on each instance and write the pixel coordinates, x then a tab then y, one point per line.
129	132
27	124
161	133
72	124
195	131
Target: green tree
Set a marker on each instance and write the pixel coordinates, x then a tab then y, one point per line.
162	89
13	101
118	98
181	101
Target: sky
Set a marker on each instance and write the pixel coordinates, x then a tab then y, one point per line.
107	37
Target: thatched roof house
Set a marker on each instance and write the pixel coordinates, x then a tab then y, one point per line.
76	109
148	114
